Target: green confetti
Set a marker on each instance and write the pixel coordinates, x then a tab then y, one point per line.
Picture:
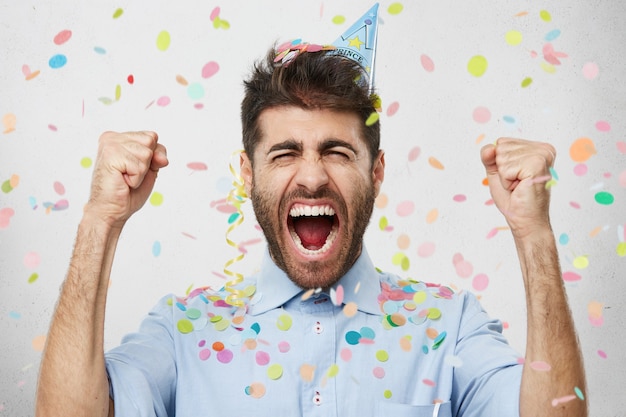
526	82
33	277
604	198
372	119
118	13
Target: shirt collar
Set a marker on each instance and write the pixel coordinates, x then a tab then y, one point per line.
361	285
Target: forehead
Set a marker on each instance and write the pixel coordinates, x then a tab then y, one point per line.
309	127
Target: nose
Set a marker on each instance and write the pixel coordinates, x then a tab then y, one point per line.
311	174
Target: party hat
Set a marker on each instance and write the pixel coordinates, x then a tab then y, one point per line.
359	42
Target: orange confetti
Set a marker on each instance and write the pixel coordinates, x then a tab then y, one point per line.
432	216
181	80
520	14
480	138
350	309
595	231
434	162
485	181
582	149
432	333
39	342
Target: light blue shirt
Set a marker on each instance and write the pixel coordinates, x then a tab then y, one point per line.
376	345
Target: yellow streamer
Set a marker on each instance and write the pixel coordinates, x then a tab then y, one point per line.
237	196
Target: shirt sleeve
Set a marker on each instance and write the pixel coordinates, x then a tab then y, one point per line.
489	379
142	369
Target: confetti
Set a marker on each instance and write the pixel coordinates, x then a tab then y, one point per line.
590	70
62	37
395	8
513	37
118	12
477	65
9	121
393	108
38	343
481	115
480	282
210	69
414	153
605	198
338	19
434	162
156	199
163	40
57	61
582	149
405	208
427	63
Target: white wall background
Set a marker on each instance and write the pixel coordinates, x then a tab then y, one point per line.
52	117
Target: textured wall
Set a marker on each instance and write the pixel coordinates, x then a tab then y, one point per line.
452	75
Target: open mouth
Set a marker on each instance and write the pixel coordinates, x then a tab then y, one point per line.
313	228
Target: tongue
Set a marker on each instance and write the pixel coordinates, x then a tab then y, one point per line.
313	231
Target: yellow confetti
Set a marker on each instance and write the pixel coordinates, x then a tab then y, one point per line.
477	65
118	92
118	13
163	40
373	118
395	8
545	16
513	37
156	199
338	20
621	249
581	262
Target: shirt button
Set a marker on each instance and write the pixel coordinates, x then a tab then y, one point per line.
318	328
317	398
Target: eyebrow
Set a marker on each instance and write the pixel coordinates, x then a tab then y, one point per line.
292	144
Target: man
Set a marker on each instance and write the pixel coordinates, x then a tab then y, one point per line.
318	331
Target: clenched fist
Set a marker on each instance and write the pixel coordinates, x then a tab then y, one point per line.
124	174
517	171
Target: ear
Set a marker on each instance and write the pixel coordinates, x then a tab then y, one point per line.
245	168
378	171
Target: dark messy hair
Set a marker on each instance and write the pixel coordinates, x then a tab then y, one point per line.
312	80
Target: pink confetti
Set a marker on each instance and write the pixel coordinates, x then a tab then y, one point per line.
459	198
574	204
163	101
378	372
492	232
571	276
346	354
429	382
62	37
540	366
622	179
480	282
210	69
557	401
393	108
52	127
339	295
580	170
481	115
621	146
32	260
602	354
426	249
414	153
603	126
405	208
215	13
59	188
197	166
427	63
590	70
5	217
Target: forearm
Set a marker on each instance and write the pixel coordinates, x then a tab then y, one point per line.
73	377
551	337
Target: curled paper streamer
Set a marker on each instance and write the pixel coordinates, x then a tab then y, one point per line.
237	196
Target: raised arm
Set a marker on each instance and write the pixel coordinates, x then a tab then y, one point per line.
72	378
518	171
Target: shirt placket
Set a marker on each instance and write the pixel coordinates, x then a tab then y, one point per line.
319	396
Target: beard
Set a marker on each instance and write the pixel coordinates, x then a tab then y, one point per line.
315	274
